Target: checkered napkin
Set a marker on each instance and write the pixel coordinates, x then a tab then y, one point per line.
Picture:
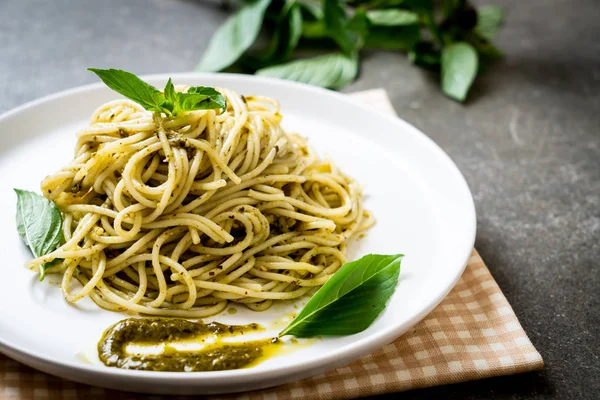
472	334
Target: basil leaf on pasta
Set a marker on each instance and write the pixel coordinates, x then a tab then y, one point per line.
200	98
39	223
351	300
132	87
170	96
168	102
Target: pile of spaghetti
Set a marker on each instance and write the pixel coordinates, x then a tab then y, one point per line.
179	216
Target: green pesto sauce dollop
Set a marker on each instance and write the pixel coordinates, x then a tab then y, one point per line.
216	356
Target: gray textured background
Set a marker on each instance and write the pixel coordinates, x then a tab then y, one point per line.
527	142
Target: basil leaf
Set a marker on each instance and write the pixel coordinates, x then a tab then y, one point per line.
285	38
336	22
331	70
351	300
489	20
392	17
425	54
402	37
419	5
359	23
314	30
39	223
170	96
170	102
372	4
459	68
312	8
484	47
169	92
449	7
234	37
294	29
132	87
200	98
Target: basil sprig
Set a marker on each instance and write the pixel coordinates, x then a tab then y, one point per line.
169	101
39	223
448	36
351	300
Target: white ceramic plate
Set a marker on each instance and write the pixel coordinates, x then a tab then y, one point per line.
421	201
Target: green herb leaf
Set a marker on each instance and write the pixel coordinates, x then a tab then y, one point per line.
425	54
372	4
132	87
314	29
331	70
311	8
285	37
351	300
294	29
459	68
359	23
402	37
336	22
169	92
484	47
234	37
449	7
392	17
39	223
170	102
489	20
418	5
170	96
200	98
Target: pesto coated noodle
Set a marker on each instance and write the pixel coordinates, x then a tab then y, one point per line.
179	216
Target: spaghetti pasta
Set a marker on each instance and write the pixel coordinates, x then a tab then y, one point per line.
177	216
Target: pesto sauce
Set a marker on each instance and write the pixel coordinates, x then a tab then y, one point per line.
215	356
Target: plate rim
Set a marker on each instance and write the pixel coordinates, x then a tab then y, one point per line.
347	352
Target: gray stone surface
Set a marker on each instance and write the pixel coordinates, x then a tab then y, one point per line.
527	142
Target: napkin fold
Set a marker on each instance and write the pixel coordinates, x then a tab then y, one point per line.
472	334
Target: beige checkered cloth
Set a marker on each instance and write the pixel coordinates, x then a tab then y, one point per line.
472	334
